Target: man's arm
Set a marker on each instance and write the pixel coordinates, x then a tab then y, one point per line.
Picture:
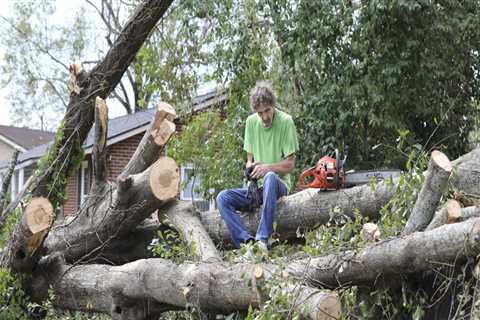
283	167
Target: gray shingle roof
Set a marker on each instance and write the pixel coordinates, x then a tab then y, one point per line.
116	127
121	125
25	137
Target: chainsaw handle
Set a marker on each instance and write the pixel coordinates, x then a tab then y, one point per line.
305	174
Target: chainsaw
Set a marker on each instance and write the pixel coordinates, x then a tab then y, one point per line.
329	174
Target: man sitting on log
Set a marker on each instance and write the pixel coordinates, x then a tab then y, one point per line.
270	142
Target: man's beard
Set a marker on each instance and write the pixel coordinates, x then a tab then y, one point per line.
267	125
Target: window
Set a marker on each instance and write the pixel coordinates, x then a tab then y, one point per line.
16	182
84	182
189	183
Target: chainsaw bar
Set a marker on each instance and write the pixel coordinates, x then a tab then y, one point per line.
355	178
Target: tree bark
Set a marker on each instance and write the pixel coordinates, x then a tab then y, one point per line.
209	287
310	208
417	252
100	81
452	213
186	220
223	288
5	186
439	169
115	212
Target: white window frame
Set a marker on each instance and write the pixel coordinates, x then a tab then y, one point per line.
83	195
13	185
21	179
183	191
183	177
16	182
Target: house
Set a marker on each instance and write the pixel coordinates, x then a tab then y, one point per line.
124	135
21	139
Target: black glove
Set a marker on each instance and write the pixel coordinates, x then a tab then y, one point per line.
254	194
248	173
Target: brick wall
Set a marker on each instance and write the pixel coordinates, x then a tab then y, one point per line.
71	204
118	156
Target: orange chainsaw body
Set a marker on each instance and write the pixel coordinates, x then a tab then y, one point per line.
325	175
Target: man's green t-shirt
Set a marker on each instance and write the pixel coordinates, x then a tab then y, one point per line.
271	145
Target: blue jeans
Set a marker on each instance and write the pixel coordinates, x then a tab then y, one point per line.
231	200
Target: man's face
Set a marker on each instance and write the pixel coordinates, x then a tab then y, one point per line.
265	112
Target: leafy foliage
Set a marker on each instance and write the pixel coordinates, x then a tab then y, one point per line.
169	245
369	69
200	144
36	58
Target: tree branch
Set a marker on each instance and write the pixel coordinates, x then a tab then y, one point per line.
100	143
80	113
439	169
5	185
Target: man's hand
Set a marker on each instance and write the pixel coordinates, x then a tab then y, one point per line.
260	170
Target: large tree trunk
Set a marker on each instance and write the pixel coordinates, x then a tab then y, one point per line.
147	287
222	288
156	285
113	210
63	155
417	252
310	208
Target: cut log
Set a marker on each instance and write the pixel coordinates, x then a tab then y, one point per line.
119	211
420	251
164	179
439	169
307	209
316	304
36	223
371	232
100	143
453	213
100	81
209	287
152	144
186	220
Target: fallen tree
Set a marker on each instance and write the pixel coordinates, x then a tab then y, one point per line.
62	159
67	255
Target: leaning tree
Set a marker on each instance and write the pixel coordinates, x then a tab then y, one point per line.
95	261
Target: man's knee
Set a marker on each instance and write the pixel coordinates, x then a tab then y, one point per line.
221	198
270	176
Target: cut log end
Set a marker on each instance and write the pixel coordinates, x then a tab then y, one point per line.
39	214
39	219
454	211
441	160
163	126
165	178
165	111
371	232
163	132
329	308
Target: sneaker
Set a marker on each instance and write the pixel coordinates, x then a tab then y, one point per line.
263	247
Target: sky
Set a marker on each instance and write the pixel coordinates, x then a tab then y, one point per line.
115	109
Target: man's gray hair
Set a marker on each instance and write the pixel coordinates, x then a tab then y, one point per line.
262	94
